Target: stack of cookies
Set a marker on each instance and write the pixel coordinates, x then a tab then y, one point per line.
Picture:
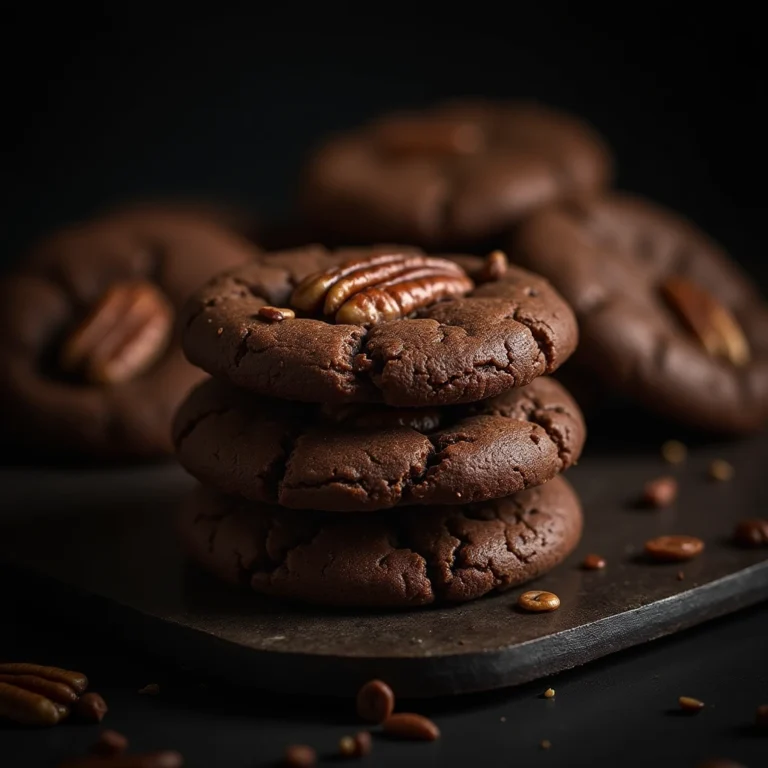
379	429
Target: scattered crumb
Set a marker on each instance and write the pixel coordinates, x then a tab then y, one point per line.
347	746
660	492
150	690
459	642
721	470
689	704
593	563
674	452
545	744
549	693
680	575
219	331
503	719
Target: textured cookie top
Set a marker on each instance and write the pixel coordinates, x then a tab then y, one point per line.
453	175
457	344
665	316
367	457
91	360
399	559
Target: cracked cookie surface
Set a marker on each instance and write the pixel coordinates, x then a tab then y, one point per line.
612	260
474	169
502	334
365	457
51	413
397	559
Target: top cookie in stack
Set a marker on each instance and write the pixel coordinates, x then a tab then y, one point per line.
360	380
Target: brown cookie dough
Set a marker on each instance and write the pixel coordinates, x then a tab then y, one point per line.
400	559
452	176
665	316
363	457
502	334
90	360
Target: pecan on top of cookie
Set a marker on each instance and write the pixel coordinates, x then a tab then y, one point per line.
380	288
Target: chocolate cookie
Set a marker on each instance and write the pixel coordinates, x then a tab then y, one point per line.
665	317
365	457
452	176
383	323
398	559
90	361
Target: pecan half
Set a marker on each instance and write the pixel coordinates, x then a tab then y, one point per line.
75	680
125	333
413	134
28	708
708	319
381	288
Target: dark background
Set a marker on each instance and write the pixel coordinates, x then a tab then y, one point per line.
113	102
119	101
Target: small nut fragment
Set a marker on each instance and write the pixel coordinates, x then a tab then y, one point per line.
538	601
413	134
494	267
358	745
751	533
545	744
672	549
125	333
91	708
57	692
660	492
549	693
721	470
708	319
375	701
410	726
152	689
381	288
110	743
299	756
75	680
761	716
680	576
593	563
689	704
275	314
674	452
27	708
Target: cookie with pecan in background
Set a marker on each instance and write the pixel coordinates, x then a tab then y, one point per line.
394	559
665	317
363	457
90	361
453	176
386	323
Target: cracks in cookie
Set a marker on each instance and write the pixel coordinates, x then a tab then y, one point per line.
195	422
242	348
275	473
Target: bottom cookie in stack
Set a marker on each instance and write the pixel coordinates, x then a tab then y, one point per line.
400	558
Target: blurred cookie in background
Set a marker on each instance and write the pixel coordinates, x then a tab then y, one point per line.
666	318
90	360
454	176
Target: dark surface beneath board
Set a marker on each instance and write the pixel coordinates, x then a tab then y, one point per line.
109	534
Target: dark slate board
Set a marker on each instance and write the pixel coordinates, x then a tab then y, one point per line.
96	547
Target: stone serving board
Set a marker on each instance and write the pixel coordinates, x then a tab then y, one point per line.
96	547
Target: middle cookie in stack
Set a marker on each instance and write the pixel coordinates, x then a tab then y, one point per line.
454	348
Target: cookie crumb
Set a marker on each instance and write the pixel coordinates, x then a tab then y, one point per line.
503	719
153	689
680	575
347	746
299	756
549	693
219	331
545	744
721	470
660	492
674	452
593	563
689	704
